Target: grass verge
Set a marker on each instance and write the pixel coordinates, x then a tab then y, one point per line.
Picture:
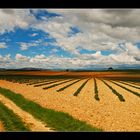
10	120
57	120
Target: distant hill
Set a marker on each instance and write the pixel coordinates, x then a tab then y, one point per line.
2	69
25	69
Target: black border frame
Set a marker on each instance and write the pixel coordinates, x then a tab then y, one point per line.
69	135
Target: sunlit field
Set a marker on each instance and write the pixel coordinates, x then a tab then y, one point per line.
69	101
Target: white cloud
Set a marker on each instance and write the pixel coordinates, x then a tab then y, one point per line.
56	27
20	57
100	30
3	45
25	46
11	18
34	34
96	60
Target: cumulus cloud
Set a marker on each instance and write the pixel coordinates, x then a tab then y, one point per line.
25	46
3	45
20	57
115	23
12	18
34	34
117	31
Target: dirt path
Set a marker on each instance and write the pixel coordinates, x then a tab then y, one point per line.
1	127
108	114
27	118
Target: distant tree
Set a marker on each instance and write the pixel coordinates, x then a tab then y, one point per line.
110	68
67	69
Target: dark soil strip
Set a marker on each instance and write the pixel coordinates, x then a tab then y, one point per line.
135	93
80	88
96	90
58	84
121	98
61	89
129	85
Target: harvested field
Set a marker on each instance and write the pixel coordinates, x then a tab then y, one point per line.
100	114
92	97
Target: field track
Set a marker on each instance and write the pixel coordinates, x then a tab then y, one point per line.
108	114
28	119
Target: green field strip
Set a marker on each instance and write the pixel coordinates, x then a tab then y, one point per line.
10	120
96	90
57	120
134	92
63	88
121	98
129	84
80	88
51	86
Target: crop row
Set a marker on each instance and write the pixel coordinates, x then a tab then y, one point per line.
134	92
46	83
138	84
96	90
129	85
80	88
61	89
114	91
64	81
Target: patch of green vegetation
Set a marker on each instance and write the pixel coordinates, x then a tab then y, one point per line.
61	89
58	84
121	98
96	90
59	121
80	88
10	120
134	92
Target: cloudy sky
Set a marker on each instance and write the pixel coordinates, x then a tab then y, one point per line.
69	38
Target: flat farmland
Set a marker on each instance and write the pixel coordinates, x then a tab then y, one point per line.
70	101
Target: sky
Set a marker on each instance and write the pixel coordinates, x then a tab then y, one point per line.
70	38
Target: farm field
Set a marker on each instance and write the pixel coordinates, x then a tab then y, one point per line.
70	101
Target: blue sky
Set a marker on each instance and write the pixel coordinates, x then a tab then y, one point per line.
67	39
